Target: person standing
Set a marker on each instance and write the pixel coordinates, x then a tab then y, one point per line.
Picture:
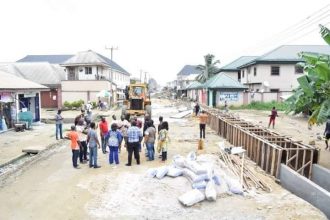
134	140
272	116
59	123
73	136
197	108
149	139
82	142
103	131
202	124
163	140
327	133
114	141
160	124
93	142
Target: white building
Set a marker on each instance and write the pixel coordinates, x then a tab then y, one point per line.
277	70
185	77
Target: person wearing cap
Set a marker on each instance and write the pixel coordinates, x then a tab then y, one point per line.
73	136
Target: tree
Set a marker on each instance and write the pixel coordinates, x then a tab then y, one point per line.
313	92
209	69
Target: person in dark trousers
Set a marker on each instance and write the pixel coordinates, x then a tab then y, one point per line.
272	116
327	133
202	124
73	136
114	141
82	142
59	124
160	123
197	108
134	137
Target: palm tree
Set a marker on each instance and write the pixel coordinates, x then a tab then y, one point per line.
209	69
313	93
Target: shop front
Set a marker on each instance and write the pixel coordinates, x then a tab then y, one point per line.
8	112
30	101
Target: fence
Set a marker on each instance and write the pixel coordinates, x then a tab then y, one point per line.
267	148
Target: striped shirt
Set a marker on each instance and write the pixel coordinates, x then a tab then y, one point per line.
134	134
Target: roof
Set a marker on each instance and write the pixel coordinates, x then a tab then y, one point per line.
233	66
11	82
288	54
194	85
43	73
54	59
222	81
189	69
90	57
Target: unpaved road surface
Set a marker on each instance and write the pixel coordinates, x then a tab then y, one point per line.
52	189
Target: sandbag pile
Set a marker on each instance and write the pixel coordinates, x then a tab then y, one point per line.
206	182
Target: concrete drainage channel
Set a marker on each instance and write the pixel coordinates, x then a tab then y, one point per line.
315	191
19	164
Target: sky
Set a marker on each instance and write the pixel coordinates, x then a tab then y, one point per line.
158	36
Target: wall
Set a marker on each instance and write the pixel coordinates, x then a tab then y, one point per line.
305	189
286	81
321	176
220	101
264	97
233	75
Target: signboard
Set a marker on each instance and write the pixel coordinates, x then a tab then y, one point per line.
228	96
6	97
29	94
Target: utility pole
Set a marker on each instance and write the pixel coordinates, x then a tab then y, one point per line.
112	48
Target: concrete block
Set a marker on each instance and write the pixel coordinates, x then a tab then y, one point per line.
321	176
305	189
33	150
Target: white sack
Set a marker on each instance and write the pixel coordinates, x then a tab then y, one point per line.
234	185
161	172
191	156
151	172
195	167
174	172
217	180
199	185
179	161
191	176
210	192
192	197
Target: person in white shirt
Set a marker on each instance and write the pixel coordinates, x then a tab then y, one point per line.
82	142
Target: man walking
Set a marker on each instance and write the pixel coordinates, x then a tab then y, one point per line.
327	133
197	108
202	124
272	116
103	131
59	123
134	140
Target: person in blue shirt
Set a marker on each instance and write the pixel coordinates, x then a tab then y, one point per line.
115	138
134	138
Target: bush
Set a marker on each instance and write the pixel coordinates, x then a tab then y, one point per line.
280	106
94	104
67	105
75	104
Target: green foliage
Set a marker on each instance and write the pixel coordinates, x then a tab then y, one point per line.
94	104
67	105
209	69
280	106
313	93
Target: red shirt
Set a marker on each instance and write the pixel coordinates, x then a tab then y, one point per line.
104	127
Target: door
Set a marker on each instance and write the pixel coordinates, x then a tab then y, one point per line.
37	109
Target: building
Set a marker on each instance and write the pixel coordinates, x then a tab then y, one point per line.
277	70
44	73
232	69
18	95
88	72
185	77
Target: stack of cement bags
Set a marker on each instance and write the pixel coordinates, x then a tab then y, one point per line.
207	182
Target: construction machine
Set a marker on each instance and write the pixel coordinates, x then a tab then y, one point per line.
137	100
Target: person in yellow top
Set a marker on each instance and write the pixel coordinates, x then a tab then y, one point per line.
202	124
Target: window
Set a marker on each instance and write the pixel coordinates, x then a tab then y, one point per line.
243	74
299	69
255	71
248	70
88	70
275	71
274	90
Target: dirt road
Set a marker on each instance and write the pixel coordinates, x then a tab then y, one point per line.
52	189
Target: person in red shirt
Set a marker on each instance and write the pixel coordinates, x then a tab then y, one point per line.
272	116
104	129
73	136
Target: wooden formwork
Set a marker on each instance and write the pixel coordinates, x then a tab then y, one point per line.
268	149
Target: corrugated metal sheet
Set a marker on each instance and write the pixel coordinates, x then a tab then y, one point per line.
222	81
54	59
188	70
237	63
11	82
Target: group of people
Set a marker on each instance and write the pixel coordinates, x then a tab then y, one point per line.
132	135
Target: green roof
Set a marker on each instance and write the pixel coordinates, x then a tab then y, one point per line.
233	66
194	85
222	81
